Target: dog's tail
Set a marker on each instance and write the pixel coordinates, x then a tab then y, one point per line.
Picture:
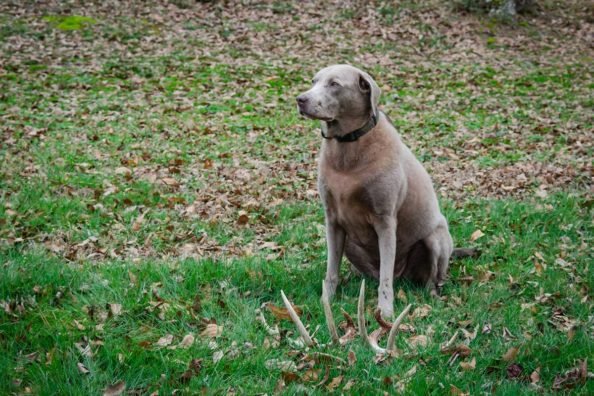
465	252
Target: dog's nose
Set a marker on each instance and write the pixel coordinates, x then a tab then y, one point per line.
301	100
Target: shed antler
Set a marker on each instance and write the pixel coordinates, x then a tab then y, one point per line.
372	340
295	318
328	314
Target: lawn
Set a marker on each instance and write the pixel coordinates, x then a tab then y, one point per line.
158	191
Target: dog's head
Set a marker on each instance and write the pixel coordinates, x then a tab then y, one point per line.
340	91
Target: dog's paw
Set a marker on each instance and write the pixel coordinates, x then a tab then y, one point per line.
386	311
385	301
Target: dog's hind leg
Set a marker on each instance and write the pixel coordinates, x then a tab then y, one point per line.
440	247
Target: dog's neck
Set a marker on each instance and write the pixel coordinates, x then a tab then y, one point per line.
348	129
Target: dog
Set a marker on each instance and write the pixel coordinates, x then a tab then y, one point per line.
381	209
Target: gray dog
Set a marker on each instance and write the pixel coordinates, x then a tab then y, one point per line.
381	208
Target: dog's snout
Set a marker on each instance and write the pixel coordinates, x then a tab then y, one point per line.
301	100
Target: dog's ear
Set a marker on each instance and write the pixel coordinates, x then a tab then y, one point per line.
369	86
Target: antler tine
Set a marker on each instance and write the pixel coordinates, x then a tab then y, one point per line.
361	321
328	314
295	318
394	329
361	311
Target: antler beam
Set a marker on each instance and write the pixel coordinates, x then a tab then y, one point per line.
295	318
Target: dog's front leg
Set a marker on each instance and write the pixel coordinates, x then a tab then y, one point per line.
385	229
335	237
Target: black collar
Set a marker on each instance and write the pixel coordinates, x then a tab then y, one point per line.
356	134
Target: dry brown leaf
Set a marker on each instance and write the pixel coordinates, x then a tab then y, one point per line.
115	309
347	387
79	325
468	365
510	354
212	330
137	224
82	369
535	376
187	341
243	218
194	368
217	356
282	313
331	387
352	358
116	389
165	341
418	341
476	235
455	391
486	329
311	375
170	181
282	365
460	349
422	311
514	371
402	296
289	376
122	170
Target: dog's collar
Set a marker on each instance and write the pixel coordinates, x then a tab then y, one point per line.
356	134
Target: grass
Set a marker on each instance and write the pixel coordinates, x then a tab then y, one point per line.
146	194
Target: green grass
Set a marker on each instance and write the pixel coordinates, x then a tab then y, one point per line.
155	160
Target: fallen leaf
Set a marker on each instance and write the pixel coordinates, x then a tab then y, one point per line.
116	389
82	369
311	375
187	341
331	387
84	349
122	170
165	341
217	356
455	391
422	311
510	354
486	329
476	235
282	313
137	224
170	181
514	370
243	218
282	365
348	385
194	368
402	296
418	341
115	309
468	365
535	376
352	358
79	325
289	377
461	349
212	330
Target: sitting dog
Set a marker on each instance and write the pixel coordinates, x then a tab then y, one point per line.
380	206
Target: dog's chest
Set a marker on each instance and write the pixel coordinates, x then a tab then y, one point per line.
345	199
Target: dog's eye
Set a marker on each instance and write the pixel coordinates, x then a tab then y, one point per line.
334	84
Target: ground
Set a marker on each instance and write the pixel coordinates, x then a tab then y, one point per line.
157	189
